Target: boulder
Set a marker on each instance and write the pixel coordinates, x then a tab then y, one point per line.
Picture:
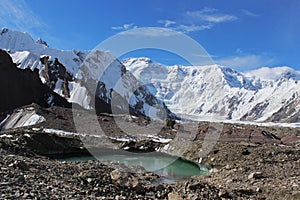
255	175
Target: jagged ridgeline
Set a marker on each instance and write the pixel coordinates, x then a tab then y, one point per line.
196	92
266	94
21	87
78	76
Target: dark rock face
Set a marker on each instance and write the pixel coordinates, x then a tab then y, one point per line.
287	113
117	88
255	112
53	71
21	87
47	144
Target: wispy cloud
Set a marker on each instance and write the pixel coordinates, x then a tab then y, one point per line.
205	55
166	23
247	62
17	14
248	13
192	28
124	27
199	20
151	31
210	15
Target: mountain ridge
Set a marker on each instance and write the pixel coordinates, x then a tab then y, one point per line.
73	75
212	91
221	92
16	84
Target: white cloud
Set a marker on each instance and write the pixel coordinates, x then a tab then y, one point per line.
166	23
238	51
249	13
218	18
210	15
151	31
17	14
198	21
247	62
192	28
208	10
124	27
205	55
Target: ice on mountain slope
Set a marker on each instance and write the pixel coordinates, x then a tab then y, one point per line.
25	59
20	118
216	91
80	95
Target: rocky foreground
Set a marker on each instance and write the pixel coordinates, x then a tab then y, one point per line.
248	162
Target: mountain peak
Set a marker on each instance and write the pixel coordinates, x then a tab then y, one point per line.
40	41
15	40
219	91
78	76
4	30
275	73
139	60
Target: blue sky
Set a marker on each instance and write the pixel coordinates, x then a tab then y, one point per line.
244	34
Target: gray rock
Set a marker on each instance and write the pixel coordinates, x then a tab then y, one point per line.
89	180
174	196
22	165
137	186
118	175
255	175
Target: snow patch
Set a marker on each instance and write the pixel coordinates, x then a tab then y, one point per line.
4	120
67	133
155	138
6	136
21	118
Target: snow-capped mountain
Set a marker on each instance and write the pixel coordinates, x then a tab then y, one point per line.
26	52
79	75
266	94
266	73
22	87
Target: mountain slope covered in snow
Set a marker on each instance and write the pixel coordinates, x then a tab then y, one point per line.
218	92
202	92
92	79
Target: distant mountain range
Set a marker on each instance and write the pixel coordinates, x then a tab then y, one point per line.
196	92
218	92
